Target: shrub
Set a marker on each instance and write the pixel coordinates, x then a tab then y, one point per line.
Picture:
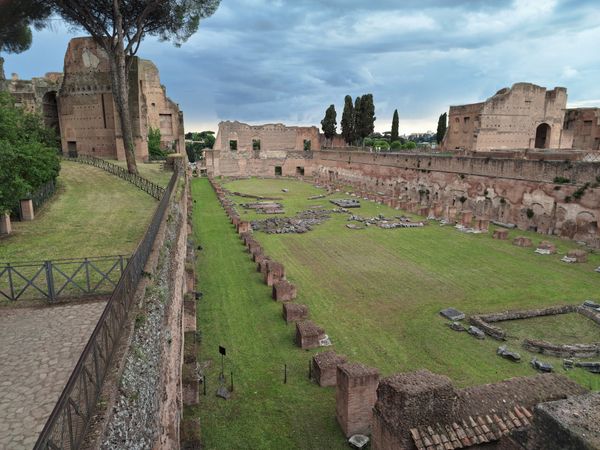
581	191
396	145
154	150
561	180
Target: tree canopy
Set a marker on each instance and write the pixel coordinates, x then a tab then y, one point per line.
28	153
329	122
16	20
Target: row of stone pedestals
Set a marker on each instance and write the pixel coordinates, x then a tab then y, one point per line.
308	335
27	214
545	247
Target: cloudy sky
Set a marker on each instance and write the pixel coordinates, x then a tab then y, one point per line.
261	61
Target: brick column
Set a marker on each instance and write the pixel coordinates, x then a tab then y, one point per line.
244	227
5	226
355	396
27	210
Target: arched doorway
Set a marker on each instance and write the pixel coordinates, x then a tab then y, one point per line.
50	111
542	136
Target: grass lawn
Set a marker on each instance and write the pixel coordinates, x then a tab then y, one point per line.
93	213
377	293
152	171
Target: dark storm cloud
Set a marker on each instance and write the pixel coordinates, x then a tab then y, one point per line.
269	60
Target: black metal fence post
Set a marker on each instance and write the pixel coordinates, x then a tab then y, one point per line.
50	281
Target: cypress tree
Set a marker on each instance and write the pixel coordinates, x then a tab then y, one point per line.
441	128
366	118
347	122
394	136
328	124
357	120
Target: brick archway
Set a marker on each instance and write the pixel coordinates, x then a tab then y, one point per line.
542	136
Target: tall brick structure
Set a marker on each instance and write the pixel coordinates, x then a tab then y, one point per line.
79	104
524	116
89	122
355	397
584	125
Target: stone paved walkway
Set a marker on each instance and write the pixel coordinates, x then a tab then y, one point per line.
38	350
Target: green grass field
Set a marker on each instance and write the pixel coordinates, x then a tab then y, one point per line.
152	171
93	213
377	293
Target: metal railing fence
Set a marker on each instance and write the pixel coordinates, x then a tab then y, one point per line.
60	278
144	184
68	422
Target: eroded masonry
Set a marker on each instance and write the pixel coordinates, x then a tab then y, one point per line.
79	104
554	191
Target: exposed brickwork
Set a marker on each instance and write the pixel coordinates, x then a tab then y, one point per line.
324	367
355	395
293	312
308	334
274	272
284	291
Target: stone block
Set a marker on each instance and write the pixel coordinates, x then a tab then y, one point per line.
244	227
308	334
284	291
482	224
324	367
500	234
27	213
466	218
254	247
579	255
261	263
275	272
548	246
424	211
293	312
355	396
255	251
5	225
522	241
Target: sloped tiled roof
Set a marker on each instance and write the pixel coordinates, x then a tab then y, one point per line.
472	431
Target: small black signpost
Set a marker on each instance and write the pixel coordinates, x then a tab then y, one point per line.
222	390
223	352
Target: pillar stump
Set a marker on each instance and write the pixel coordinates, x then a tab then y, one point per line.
27	213
244	227
274	272
324	367
308	334
5	225
293	312
355	396
500	234
284	291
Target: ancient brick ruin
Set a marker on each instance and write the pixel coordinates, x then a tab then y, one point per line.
324	367
355	395
423	410
79	104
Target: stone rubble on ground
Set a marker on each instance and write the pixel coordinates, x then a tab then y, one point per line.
507	354
474	331
452	314
541	366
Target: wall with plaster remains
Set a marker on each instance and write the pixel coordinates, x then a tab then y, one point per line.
510	120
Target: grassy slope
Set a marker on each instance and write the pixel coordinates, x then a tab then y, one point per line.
94	213
151	171
237	312
377	293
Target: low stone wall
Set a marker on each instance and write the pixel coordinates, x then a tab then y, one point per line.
562	350
147	411
482	321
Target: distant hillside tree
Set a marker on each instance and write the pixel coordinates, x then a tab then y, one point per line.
394	136
119	26
441	128
347	122
329	123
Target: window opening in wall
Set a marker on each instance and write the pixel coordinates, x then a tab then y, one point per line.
307	145
300	171
278	171
233	145
255	144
